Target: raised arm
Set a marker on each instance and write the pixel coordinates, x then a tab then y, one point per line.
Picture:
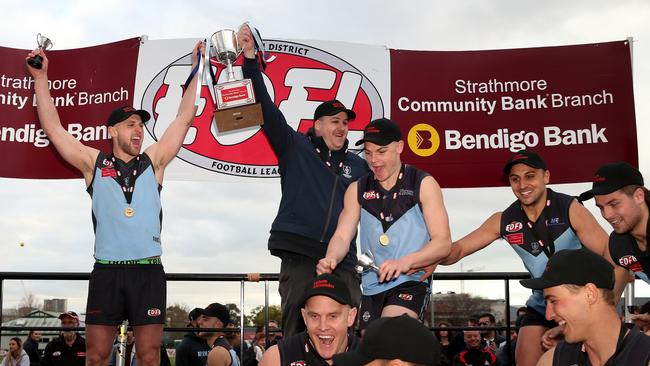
275	125
478	239
592	236
72	150
437	222
339	244
163	151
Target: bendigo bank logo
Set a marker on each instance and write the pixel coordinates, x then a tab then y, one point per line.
423	139
298	80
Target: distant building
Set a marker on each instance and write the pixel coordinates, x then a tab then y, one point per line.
55	305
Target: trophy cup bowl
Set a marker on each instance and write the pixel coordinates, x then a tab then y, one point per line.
225	48
365	261
43	43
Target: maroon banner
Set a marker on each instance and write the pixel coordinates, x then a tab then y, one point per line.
464	113
86	85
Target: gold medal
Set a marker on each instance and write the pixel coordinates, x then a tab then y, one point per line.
383	239
129	212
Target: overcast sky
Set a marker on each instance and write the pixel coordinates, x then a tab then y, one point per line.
223	227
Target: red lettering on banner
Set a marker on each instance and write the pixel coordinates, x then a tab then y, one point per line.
515	239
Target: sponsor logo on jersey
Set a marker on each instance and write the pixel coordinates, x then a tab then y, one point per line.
514	227
371	195
515	239
154	312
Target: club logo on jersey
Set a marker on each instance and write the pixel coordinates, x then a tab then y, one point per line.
298	363
346	171
298	80
371	195
154	312
514	227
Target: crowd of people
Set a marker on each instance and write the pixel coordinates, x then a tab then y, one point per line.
578	271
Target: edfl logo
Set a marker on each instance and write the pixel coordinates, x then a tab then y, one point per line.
298	80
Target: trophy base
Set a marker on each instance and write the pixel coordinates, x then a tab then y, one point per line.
236	118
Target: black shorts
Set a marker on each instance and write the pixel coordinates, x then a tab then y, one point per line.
137	292
412	295
533	317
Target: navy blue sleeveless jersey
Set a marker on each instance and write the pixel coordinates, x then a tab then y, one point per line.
634	351
516	231
407	230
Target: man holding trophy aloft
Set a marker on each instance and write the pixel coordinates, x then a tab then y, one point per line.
128	280
316	169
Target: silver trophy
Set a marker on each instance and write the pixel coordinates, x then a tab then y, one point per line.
366	262
225	49
235	99
120	359
45	44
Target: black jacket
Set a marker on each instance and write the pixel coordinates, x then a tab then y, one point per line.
58	353
312	191
31	348
193	351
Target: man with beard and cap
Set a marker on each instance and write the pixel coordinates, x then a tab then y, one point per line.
538	224
578	288
315	170
69	348
395	341
328	313
403	226
128	280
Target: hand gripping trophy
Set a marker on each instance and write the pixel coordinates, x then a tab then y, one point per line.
45	44
234	99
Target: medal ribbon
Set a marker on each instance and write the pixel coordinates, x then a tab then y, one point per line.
541	234
388	201
259	44
124	174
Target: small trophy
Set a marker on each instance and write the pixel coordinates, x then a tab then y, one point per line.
234	100
121	344
45	44
365	262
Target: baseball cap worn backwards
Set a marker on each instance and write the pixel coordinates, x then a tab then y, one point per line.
530	158
381	131
330	286
332	107
122	113
392	338
612	177
574	267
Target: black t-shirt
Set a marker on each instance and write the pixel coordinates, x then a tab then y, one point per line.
298	350
58	353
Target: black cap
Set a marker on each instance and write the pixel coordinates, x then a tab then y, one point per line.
194	314
124	112
332	107
612	177
574	267
391	338
381	131
218	311
530	158
330	286
69	314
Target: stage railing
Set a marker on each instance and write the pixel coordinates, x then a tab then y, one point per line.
242	278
